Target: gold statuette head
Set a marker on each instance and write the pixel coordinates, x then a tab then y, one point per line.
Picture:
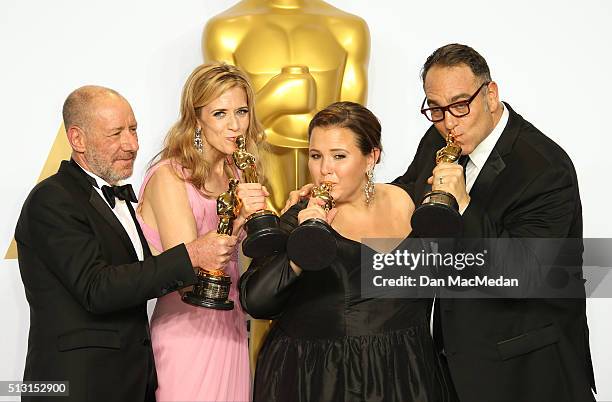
450	153
323	192
245	161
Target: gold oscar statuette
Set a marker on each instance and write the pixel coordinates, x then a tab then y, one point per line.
312	245
264	235
212	288
301	56
438	215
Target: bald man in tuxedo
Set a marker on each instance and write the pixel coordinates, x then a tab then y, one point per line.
86	266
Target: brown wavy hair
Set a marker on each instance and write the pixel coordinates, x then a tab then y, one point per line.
205	84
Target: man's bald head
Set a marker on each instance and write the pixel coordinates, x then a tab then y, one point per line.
80	104
101	129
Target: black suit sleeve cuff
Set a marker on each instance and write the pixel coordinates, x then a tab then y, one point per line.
181	273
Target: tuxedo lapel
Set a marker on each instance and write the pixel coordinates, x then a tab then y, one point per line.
99	204
491	169
495	164
103	209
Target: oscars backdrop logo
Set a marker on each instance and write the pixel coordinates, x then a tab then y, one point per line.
60	150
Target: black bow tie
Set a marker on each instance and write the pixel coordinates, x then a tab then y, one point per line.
125	193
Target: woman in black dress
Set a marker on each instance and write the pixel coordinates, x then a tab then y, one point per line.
327	343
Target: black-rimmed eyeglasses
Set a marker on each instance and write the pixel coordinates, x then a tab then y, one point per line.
457	109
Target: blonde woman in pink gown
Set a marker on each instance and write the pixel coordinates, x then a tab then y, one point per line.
201	354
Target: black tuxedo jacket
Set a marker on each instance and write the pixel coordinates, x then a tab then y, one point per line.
87	292
529	350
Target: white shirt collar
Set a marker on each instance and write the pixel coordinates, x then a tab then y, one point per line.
481	153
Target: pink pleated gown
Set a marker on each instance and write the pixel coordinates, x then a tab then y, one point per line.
201	354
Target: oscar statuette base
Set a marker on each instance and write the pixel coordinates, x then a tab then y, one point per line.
211	291
312	245
264	235
437	216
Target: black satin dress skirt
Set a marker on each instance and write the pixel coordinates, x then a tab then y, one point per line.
330	345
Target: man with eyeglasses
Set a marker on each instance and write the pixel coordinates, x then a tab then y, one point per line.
517	184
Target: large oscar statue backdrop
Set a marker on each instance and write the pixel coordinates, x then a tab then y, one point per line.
301	55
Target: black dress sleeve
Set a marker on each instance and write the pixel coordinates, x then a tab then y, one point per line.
265	286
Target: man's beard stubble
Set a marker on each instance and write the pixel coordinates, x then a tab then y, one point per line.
104	169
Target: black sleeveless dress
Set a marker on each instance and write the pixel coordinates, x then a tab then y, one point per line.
327	344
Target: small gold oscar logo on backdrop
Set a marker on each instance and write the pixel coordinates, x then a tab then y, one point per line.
60	150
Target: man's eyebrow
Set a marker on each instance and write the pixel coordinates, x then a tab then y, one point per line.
459	97
433	103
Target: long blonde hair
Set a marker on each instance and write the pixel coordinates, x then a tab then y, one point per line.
205	84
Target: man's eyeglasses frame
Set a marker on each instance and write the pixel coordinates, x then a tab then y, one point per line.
449	108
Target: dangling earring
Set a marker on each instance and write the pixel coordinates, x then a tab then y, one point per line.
197	140
369	189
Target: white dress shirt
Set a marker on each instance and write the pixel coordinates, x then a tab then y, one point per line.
476	161
481	153
122	213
